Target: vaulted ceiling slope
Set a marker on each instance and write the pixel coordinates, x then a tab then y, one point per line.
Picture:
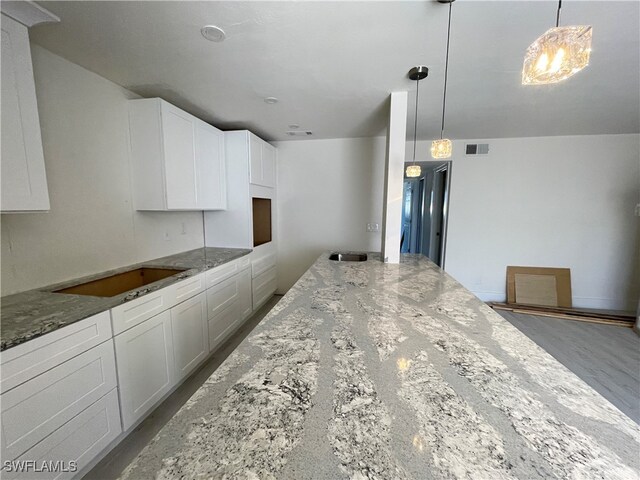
332	65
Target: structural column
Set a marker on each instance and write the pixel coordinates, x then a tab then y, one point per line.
394	177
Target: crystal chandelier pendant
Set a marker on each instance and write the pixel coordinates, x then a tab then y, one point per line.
557	55
413	171
441	148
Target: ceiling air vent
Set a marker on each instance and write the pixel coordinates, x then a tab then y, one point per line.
477	149
299	133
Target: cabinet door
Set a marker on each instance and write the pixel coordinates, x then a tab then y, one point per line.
24	181
144	356
255	160
210	168
190	337
268	165
179	156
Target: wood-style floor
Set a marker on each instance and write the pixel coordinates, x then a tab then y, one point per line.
605	357
119	458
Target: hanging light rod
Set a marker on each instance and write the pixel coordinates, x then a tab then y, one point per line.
416	73
442	148
557	54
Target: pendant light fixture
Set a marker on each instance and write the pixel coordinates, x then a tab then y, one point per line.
417	74
442	148
557	54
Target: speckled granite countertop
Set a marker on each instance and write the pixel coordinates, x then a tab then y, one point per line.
371	370
33	313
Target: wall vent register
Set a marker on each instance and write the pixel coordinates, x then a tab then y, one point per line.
477	149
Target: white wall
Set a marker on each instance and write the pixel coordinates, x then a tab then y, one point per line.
92	226
328	190
549	201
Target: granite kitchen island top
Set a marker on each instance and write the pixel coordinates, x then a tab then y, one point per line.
372	370
33	313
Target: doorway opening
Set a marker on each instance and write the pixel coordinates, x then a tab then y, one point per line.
425	208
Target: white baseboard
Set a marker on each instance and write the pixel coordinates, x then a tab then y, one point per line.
578	302
490	296
603	303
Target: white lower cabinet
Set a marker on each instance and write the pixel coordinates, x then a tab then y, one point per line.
190	338
74	445
68	395
244	299
146	371
40	406
264	286
229	303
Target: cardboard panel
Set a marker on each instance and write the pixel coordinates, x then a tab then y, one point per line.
534	289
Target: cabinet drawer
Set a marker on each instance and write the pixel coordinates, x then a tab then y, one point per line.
243	262
189	287
25	361
222	295
264	285
145	360
137	311
80	440
221	273
38	407
263	264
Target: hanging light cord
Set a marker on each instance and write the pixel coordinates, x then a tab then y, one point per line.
415	122
558	15
446	73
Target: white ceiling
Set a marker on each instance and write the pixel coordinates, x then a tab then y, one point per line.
332	65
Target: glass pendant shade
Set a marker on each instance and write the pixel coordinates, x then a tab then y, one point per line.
441	148
413	171
557	54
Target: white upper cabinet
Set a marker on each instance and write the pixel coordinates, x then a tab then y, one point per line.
178	160
262	162
210	163
24	180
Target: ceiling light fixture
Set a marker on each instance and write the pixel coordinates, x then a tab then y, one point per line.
557	54
442	148
271	100
213	33
417	74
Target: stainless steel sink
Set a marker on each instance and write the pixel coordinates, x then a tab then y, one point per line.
121	282
348	257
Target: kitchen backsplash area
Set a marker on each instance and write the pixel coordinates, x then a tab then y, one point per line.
92	225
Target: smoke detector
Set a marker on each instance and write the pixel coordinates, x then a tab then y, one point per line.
213	33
